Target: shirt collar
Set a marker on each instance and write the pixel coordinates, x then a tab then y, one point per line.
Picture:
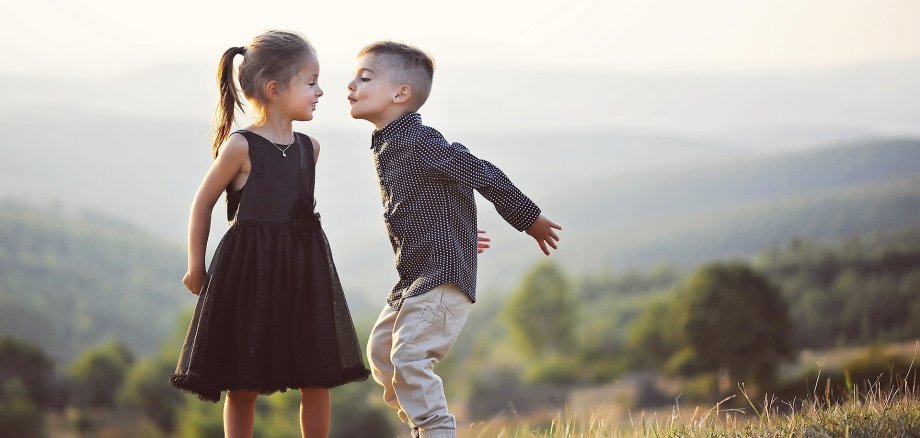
396	129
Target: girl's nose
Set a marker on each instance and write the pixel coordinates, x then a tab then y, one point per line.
351	86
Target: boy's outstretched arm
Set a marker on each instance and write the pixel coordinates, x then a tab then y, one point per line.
542	231
456	163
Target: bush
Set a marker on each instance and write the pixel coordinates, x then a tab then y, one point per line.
557	369
19	417
99	373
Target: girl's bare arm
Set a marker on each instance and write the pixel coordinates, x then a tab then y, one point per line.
232	160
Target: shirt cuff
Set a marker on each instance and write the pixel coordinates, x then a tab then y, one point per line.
522	217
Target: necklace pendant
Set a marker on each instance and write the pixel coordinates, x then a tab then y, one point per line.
284	154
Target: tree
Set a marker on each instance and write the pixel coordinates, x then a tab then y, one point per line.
910	291
19	417
652	338
734	321
198	419
145	388
541	315
97	375
358	411
31	366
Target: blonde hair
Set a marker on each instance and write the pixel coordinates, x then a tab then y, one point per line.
406	65
274	55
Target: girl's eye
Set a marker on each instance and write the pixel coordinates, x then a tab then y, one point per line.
364	79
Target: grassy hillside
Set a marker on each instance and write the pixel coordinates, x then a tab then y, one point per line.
876	412
71	279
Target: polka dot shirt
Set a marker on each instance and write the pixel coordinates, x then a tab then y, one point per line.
426	187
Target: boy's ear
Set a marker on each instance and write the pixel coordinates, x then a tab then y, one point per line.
403	94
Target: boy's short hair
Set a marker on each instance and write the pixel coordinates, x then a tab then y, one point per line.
407	65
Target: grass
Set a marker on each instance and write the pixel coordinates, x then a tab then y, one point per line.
886	407
875	414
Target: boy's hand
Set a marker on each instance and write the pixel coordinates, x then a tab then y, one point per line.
482	242
542	231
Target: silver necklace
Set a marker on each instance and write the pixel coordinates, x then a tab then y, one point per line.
284	151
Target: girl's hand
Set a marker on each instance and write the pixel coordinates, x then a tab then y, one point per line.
542	231
194	281
482	242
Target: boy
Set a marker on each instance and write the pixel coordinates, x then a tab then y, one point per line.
426	185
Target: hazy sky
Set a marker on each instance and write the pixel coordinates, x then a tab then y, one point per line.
42	37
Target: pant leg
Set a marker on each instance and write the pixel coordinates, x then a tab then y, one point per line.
379	346
425	330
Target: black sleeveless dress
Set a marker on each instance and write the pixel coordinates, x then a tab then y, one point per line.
272	315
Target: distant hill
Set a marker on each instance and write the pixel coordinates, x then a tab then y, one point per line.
70	279
734	209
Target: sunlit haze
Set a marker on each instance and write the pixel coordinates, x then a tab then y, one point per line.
89	38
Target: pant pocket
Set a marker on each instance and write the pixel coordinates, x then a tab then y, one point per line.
434	312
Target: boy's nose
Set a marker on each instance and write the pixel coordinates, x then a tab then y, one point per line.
320	91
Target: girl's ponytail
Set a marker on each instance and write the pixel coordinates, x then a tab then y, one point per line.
227	99
275	55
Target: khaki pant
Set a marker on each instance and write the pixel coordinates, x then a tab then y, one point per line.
403	349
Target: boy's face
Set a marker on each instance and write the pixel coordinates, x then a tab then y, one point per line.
371	92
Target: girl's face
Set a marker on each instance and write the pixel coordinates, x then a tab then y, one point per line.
298	100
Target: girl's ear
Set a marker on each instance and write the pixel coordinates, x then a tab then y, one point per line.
403	94
272	90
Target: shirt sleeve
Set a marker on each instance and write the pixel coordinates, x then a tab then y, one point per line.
455	162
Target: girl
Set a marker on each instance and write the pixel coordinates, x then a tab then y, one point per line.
271	314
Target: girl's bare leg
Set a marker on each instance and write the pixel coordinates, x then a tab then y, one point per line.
239	413
315	409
